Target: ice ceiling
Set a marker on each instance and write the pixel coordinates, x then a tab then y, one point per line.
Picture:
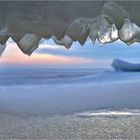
68	21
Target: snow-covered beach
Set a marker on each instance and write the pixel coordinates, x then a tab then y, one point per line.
61	100
51	96
68	91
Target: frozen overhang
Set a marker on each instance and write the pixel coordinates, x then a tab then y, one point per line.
27	22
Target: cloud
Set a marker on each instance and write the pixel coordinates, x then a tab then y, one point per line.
110	51
14	57
89	55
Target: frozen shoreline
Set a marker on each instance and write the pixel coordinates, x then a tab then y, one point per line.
104	107
68	127
65	100
55	113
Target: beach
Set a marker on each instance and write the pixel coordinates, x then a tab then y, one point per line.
68	127
72	110
65	100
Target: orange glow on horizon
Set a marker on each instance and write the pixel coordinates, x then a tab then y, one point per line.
13	55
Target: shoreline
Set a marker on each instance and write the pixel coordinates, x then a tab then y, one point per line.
65	100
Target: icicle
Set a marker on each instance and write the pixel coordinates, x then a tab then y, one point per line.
3	40
79	30
66	41
104	30
28	43
2	48
94	27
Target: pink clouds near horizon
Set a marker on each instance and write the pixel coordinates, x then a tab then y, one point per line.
13	55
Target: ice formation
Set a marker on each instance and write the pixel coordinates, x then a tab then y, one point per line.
28	22
122	65
130	32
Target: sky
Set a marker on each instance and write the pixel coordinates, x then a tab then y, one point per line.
50	55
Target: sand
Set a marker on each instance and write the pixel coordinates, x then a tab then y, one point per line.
68	127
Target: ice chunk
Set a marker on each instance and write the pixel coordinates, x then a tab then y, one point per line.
122	65
16	38
107	30
28	43
94	27
129	32
2	48
116	12
79	30
3	40
66	41
114	33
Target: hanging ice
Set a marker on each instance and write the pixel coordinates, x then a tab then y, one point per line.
105	21
94	27
66	41
3	40
79	30
28	43
107	30
2	48
129	32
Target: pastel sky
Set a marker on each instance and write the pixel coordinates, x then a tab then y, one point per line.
51	55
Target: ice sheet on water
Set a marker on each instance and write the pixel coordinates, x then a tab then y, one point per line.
64	77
